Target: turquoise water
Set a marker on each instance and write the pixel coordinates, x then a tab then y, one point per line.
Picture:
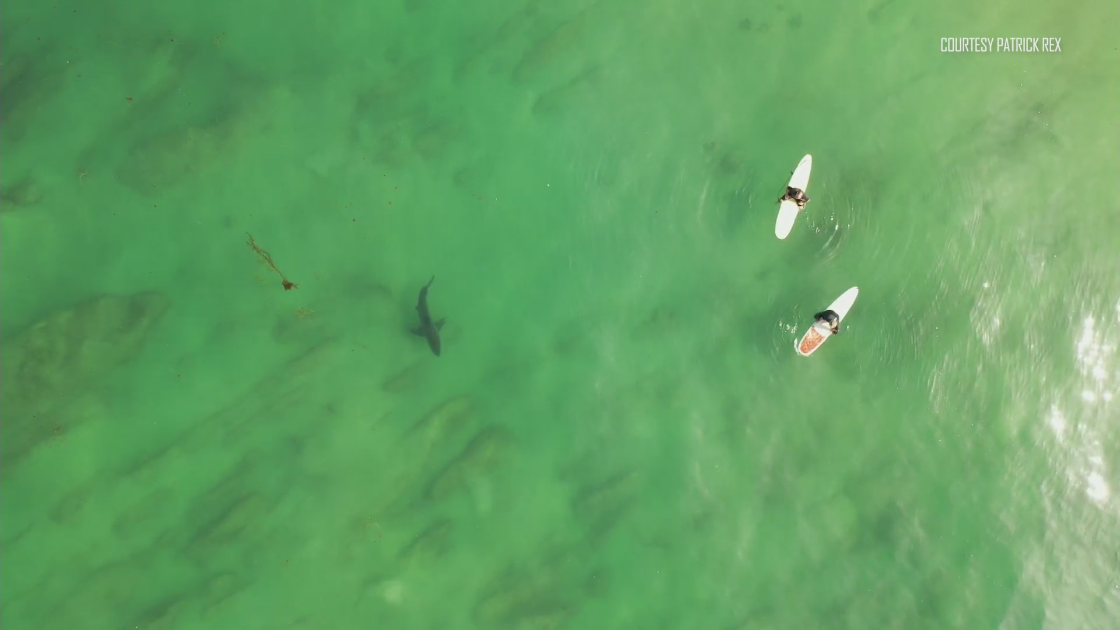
618	433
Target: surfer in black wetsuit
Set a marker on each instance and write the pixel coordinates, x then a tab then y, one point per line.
797	196
831	318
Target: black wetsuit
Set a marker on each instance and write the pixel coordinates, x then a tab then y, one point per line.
791	195
832	318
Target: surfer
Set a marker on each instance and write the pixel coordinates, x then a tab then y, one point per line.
796	195
830	318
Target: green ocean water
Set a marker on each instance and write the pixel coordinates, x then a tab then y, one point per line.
618	433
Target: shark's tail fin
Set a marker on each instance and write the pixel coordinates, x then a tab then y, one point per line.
430	282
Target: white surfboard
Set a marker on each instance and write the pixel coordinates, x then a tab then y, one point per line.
819	332
787	210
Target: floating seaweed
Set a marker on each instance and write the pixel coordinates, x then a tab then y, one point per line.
288	285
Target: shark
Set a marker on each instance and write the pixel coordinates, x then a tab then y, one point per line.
427	328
